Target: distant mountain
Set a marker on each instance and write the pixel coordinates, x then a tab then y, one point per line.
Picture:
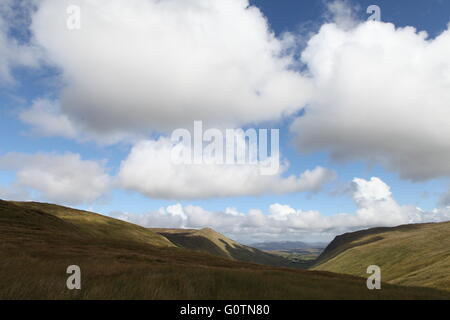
209	241
288	245
413	255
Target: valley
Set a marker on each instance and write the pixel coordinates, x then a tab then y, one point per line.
119	260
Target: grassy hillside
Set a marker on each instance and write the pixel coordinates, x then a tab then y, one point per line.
303	257
121	261
77	223
415	255
209	241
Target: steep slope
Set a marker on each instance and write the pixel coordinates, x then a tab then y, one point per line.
415	255
119	260
77	223
209	241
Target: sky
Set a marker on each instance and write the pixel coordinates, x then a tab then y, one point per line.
92	91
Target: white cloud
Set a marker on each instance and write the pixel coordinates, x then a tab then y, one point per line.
137	66
149	169
58	178
46	120
376	207
342	13
381	94
373	91
14	192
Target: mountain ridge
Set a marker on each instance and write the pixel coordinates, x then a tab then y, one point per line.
210	241
412	254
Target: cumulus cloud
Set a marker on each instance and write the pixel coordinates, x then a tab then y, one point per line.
372	91
62	178
375	207
155	65
151	170
382	94
46	120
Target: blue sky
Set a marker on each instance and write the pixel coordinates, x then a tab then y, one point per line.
50	75
431	16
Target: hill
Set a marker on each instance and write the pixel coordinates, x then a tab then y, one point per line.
119	260
413	255
77	223
209	241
